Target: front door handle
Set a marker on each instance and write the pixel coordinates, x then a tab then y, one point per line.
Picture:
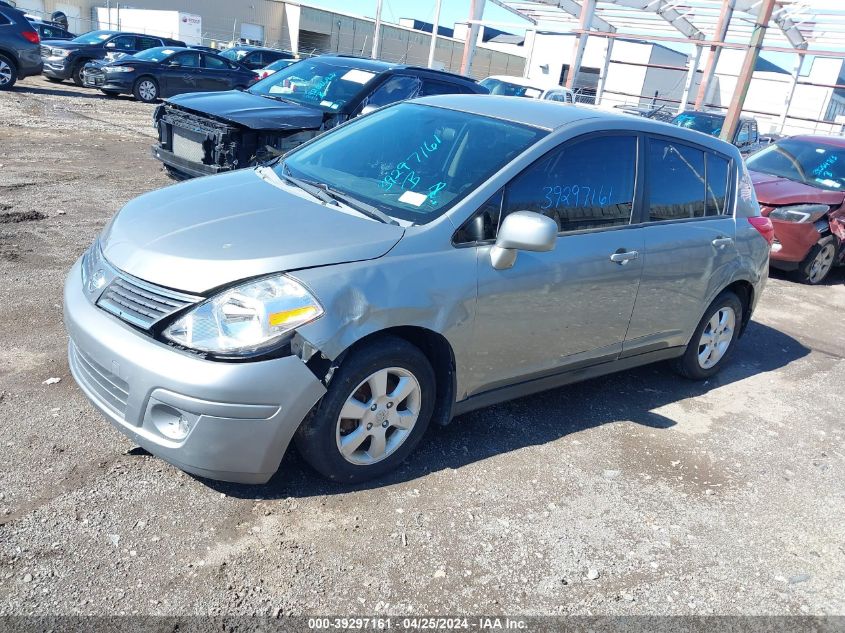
623	257
722	242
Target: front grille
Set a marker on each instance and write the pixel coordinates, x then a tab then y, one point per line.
110	389
93	77
187	147
46	51
140	303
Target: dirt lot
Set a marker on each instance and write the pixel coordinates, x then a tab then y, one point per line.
636	493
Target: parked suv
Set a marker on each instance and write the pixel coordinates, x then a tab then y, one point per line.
67	59
432	258
51	31
19	47
746	137
201	134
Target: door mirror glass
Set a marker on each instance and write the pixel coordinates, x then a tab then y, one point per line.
522	231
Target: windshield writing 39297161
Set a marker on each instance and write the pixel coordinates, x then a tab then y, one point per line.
405	175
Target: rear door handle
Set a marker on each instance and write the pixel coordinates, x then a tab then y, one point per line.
623	257
722	242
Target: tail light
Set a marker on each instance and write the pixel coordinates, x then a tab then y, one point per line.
31	36
764	227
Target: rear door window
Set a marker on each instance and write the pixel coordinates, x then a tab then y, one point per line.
187	59
210	61
4	20
586	184
676	181
430	87
148	42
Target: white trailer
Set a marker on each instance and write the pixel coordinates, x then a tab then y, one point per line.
176	25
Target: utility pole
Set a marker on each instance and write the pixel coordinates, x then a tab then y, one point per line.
377	30
434	33
747	71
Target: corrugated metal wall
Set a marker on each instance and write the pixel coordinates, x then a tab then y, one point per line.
320	32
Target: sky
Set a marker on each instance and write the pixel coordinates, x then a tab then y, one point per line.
457	10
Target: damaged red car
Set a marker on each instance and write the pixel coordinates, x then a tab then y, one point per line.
800	183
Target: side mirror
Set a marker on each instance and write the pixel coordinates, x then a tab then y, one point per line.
522	231
110	45
368	108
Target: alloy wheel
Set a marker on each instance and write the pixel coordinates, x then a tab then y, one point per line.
378	416
147	90
716	337
5	73
822	263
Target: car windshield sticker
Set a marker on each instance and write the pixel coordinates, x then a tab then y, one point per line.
532	93
327	104
167	51
358	76
414	198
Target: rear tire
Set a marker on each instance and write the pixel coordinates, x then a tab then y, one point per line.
146	90
713	342
819	262
8	73
376	410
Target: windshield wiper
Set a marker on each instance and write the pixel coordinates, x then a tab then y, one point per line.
333	195
308	187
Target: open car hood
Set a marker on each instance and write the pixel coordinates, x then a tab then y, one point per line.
208	232
251	111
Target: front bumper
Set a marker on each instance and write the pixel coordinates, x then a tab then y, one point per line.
56	70
795	240
227	421
183	165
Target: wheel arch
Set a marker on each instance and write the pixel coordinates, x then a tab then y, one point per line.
745	291
433	345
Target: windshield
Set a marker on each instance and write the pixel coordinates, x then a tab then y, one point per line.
504	88
815	164
281	63
154	54
235	54
700	122
325	85
411	161
94	37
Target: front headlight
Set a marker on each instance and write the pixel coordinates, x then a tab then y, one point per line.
59	53
120	69
248	318
802	213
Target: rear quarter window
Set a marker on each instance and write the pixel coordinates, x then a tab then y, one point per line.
4	20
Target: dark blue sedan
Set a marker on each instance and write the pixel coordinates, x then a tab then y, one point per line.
167	71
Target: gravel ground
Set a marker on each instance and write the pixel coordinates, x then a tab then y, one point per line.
638	493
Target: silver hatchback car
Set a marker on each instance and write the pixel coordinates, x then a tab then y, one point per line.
433	257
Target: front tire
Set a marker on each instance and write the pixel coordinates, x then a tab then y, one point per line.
714	340
8	73
146	90
819	262
376	410
76	75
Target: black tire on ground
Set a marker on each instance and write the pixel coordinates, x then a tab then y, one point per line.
689	365
8	72
316	437
141	94
76	75
819	262
53	80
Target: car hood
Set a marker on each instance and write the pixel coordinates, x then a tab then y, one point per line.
249	110
208	232
72	46
778	191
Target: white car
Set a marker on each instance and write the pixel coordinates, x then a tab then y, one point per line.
532	89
